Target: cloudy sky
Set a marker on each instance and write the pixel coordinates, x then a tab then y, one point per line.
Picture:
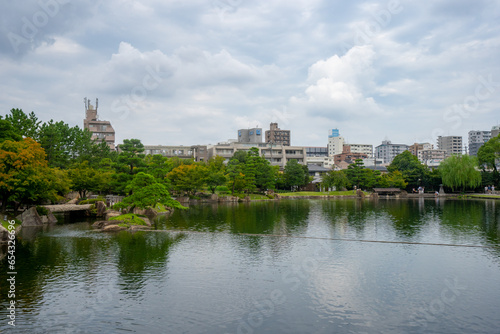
193	72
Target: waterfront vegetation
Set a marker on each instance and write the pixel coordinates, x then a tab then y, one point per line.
43	162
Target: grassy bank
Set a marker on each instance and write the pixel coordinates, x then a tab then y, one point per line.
320	193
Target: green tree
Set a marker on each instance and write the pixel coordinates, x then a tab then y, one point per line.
333	178
488	156
147	192
8	132
25	125
216	175
412	170
294	174
459	171
84	179
356	173
235	176
188	178
24	174
393	179
131	155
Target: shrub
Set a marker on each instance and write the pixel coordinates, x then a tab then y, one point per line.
42	211
92	200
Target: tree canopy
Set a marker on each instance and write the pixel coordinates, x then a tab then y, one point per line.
459	171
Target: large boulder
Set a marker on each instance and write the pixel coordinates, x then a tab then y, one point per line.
4	235
113	228
139	211
360	193
100	208
111	213
103	223
49	219
31	217
150	212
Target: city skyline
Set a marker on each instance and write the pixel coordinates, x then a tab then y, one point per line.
193	73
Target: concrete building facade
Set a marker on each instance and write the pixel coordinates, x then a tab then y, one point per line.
361	148
450	144
250	135
431	157
196	152
477	139
277	155
387	150
495	131
277	136
416	149
101	130
348	156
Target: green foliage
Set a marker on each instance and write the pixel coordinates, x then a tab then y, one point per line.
130	219
24	174
84	179
188	178
295	174
147	192
459	171
236	178
488	157
8	132
25	125
42	211
412	170
130	159
92	200
216	176
394	179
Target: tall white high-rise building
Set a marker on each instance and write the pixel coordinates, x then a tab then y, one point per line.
335	143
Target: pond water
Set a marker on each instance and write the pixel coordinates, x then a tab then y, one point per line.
294	266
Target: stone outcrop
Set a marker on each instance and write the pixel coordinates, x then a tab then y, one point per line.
360	193
111	213
30	217
4	235
49	219
113	228
100	208
100	224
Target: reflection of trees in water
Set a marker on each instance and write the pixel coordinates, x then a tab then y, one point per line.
348	215
256	217
266	217
75	257
407	216
463	217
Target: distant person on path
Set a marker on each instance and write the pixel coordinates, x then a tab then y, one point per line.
493	189
485	189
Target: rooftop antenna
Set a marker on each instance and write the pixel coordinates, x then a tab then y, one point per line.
96	104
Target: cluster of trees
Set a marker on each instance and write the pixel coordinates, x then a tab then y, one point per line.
406	172
44	161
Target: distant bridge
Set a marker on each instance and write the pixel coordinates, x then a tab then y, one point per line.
67	207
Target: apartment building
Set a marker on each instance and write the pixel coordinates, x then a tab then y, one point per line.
101	130
477	139
387	150
277	136
196	152
335	143
450	144
250	135
277	155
